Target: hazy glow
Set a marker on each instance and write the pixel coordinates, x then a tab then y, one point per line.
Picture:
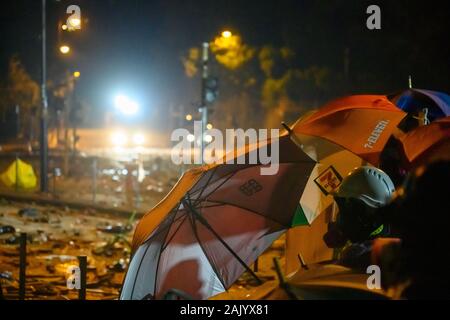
209	126
188	117
138	139
126	105
64	26
76	74
119	138
74	22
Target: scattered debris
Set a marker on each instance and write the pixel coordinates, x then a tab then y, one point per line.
33	214
7	229
118	228
28	212
6	275
119	265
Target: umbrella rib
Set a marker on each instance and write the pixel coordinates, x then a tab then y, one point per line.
146	249
230	175
194	227
162	229
184	216
249	210
160	253
137	273
208	226
207	182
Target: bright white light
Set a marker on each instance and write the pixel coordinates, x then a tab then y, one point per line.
190	137
209	126
208	138
226	34
138	139
75	22
64	49
119	138
126	105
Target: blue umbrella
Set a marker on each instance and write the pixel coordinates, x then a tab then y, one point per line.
415	100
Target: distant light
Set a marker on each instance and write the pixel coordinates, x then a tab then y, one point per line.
124	172
64	49
208	138
126	105
119	138
75	22
138	139
209	126
188	117
226	34
64	27
76	74
190	137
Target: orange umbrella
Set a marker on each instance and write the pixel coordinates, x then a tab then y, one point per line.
427	143
214	223
150	222
361	124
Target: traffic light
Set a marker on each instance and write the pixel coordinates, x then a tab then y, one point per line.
211	89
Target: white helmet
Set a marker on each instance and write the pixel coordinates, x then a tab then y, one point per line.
368	184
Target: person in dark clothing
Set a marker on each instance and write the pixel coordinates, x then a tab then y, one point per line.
419	268
360	198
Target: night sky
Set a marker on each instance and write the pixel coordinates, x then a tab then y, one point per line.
135	46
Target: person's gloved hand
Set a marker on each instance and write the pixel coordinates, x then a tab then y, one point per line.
385	254
334	238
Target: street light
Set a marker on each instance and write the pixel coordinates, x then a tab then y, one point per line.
226	34
209	126
64	27
126	105
74	23
76	74
188	117
43	139
190	137
208	138
64	49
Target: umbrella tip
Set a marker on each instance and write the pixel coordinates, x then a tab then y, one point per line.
289	130
302	261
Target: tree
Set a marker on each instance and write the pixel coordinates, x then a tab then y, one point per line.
259	86
21	90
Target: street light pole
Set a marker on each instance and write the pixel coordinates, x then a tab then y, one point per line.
43	137
204	107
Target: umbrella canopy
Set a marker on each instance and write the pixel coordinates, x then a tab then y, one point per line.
322	281
427	143
333	164
327	281
216	221
415	100
361	124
